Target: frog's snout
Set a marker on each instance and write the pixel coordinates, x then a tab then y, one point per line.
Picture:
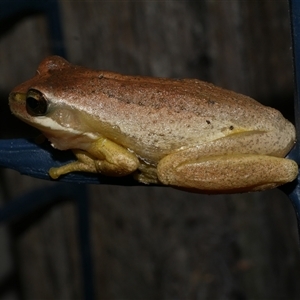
17	103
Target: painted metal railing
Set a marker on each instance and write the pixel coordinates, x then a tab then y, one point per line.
293	189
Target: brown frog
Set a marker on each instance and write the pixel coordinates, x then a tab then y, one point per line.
184	133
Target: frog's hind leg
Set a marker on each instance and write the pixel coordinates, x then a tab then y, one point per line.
226	173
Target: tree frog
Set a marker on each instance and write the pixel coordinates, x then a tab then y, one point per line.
183	133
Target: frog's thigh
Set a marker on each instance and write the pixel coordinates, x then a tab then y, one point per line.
226	173
103	156
113	159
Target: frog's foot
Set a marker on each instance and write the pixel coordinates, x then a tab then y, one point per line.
227	173
85	163
103	156
146	174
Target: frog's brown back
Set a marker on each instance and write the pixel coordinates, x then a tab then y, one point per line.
80	85
185	96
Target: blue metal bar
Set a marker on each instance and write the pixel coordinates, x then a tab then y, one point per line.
293	189
11	9
29	158
295	28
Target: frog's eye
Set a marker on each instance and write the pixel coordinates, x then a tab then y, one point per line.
36	103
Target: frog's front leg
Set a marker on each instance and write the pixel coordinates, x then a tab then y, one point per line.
226	173
102	156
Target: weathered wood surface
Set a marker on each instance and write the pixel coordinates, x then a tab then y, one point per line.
160	243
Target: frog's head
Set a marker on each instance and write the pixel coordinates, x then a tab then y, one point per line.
46	101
